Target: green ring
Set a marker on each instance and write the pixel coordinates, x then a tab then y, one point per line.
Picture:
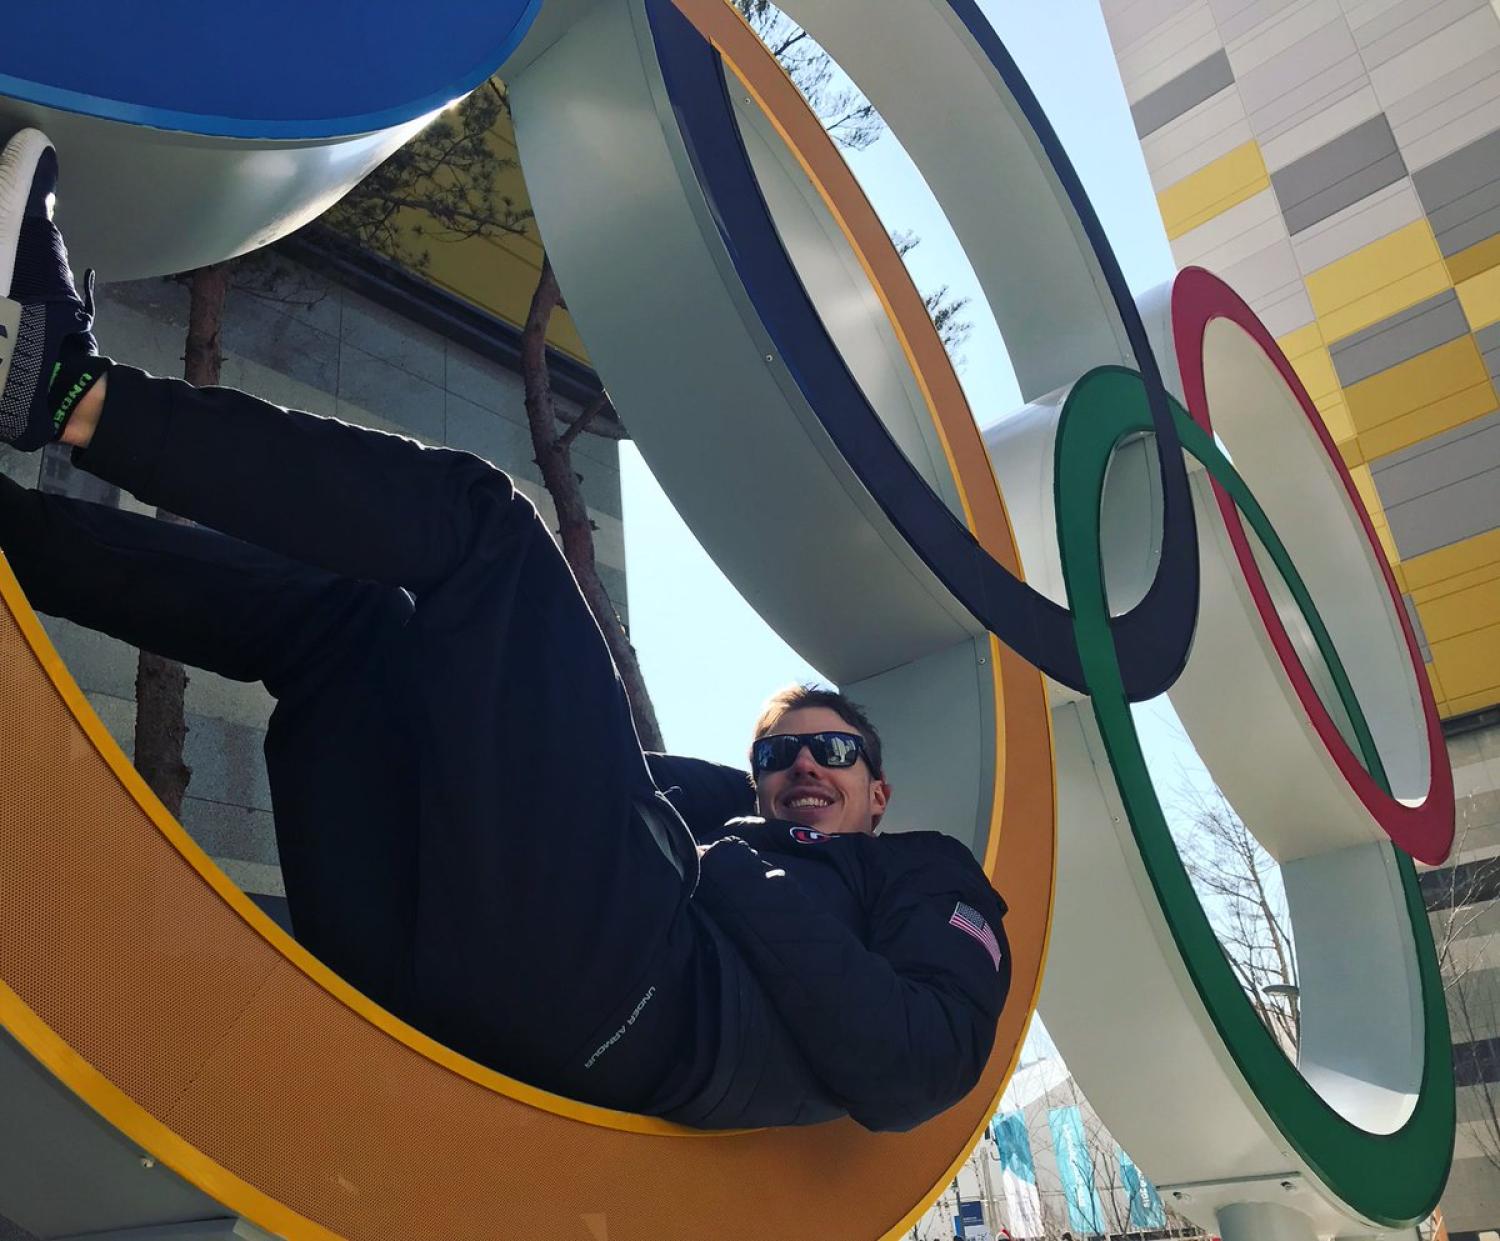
1394	1179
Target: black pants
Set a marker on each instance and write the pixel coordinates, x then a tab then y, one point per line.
454	771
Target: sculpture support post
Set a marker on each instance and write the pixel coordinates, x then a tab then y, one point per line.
1264	1221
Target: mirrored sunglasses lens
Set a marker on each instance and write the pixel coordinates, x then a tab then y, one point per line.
839	749
775	753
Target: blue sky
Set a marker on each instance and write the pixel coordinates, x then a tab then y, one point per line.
707	657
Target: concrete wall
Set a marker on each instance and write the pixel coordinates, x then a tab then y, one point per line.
1467	932
300	341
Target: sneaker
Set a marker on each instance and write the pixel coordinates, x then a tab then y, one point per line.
46	346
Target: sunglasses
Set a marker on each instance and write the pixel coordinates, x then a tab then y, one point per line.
779	751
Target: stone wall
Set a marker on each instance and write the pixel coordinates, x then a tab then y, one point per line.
300	340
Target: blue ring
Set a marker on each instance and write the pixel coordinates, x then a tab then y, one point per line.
151	77
1154	638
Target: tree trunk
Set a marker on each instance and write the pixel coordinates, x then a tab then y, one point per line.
161	684
575	530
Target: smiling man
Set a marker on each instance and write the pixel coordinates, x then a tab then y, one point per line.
882	957
833	781
468	830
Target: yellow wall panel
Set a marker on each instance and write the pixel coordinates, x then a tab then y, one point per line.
498	274
1303	340
1213	189
1437	690
1387	540
1377	280
1315	369
1385	301
1335	411
1459	612
1459	582
1351	452
1364	483
1480	296
1432	392
1476	259
1435	567
1442	415
1470	668
1416	382
1465	703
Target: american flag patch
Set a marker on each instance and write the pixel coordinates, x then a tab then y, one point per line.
971	922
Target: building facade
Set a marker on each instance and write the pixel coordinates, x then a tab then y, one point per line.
1338	163
332	332
1048	1168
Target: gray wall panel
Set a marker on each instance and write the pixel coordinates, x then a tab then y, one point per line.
1183	93
1276	112
1447	489
1415	107
1350	152
1417	631
1454	176
1129	21
1401	337
1172	48
1353	189
1307	62
1472	219
1489	346
1455	513
1404	25
1338	174
1345	106
1462	453
1196	138
1377	216
1266	276
1238	18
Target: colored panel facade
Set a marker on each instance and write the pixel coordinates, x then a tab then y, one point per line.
1373	254
1338	162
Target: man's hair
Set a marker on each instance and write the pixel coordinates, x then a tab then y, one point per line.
795	697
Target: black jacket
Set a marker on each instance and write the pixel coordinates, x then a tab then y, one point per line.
859	974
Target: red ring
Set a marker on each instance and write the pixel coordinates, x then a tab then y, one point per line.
1424	831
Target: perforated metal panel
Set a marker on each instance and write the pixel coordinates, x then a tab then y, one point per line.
160	996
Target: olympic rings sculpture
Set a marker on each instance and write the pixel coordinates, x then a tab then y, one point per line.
1378	1154
756	328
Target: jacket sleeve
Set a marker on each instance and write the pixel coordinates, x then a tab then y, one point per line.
706	795
898	1030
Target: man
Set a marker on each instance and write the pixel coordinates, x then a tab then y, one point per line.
468	829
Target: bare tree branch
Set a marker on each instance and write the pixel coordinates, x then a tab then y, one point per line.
598	417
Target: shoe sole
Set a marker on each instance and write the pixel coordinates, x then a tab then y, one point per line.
17	172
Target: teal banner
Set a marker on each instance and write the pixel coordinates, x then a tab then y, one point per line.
1014	1146
1018	1175
1146	1210
1075	1169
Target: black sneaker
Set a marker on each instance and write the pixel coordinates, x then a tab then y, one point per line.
47	349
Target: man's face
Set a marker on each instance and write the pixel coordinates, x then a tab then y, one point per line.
828	799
